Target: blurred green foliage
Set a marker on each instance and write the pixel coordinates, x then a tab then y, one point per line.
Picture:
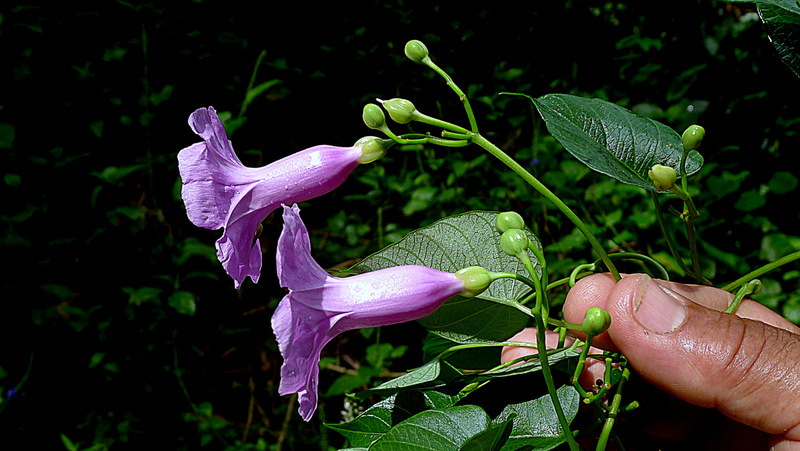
123	331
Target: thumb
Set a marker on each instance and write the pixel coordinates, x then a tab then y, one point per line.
746	369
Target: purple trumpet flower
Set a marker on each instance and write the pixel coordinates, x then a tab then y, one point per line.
320	306
219	191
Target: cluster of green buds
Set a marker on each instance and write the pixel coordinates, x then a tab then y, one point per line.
514	241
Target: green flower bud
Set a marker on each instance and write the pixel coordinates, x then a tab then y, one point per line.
476	280
692	137
401	111
514	242
596	321
509	220
373	148
663	177
373	116
417	52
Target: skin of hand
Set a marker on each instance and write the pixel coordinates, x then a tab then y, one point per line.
678	338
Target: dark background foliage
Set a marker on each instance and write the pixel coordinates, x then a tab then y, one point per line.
121	329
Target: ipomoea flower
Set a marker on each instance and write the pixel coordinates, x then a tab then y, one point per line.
219	191
320	306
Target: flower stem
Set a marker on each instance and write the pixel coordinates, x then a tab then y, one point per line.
547	194
425	119
463	97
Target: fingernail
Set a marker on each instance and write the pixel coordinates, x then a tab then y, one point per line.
656	308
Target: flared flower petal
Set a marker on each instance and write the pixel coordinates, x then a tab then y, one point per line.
320	306
219	191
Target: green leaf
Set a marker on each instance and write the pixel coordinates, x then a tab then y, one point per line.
435	430
183	302
349	382
750	200
535	422
531	366
257	90
113	174
725	183
453	243
612	140
782	182
782	23
492	439
379	419
434	373
777	245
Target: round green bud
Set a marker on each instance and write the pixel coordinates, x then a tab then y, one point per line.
416	51
509	220
373	116
596	321
692	137
663	177
372	148
476	280
514	242
401	111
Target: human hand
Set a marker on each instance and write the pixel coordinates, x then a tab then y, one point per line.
676	337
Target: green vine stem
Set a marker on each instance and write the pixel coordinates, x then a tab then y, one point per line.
662	272
688	218
762	270
580	366
667	236
754	286
613	411
551	388
547	194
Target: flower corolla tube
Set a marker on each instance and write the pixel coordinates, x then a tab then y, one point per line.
219	191
319	306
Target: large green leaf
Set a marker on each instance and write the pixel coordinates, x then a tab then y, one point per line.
782	22
535	422
435	430
612	140
435	373
376	421
453	243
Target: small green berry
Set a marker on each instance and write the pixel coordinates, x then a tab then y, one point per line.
596	321
509	220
